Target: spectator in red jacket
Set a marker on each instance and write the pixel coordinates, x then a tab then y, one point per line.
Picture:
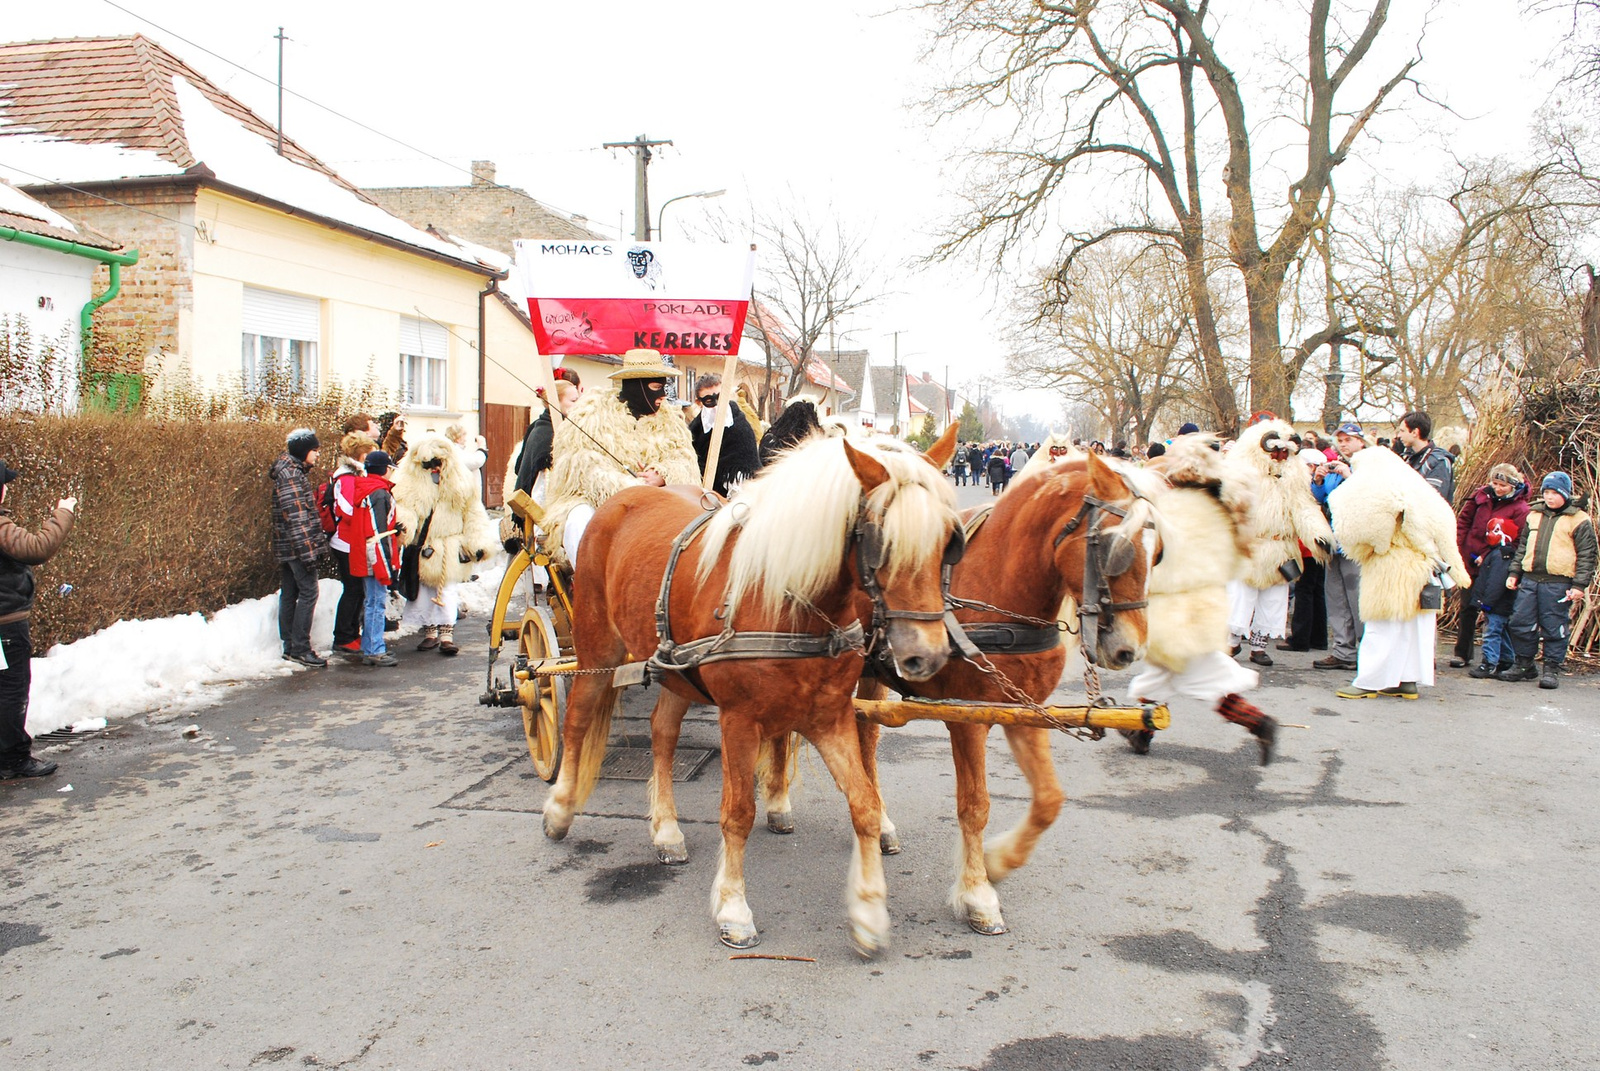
375	552
1505	497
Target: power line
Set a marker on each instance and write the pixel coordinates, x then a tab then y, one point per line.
100	196
318	104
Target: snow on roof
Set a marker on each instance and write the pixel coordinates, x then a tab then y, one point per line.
130	109
23	213
241	158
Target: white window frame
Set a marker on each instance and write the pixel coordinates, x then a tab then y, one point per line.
280	326
424	364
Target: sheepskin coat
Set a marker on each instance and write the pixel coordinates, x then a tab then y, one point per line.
1206	541
583	472
460	533
1285	516
1391	521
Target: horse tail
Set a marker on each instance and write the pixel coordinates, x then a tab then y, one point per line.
775	779
594	747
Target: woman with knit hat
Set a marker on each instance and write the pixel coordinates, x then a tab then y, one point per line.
1503	498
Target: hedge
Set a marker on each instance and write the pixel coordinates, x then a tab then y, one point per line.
173	515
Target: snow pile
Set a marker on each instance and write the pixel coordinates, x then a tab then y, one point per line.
182	663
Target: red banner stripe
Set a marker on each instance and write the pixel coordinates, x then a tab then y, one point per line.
594	326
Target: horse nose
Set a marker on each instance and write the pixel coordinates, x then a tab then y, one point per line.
917	668
1121	656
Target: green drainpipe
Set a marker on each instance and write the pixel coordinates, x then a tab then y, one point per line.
114	262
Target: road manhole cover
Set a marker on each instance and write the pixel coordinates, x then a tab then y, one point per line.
633	764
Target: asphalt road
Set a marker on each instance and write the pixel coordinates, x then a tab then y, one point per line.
345	868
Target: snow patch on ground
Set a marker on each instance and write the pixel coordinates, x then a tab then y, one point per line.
174	665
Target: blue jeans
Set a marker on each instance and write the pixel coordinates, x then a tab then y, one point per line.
1496	640
372	617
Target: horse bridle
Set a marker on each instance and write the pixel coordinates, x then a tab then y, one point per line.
1108	555
871	553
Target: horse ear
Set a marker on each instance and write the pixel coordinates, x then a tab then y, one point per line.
1104	481
869	470
944	448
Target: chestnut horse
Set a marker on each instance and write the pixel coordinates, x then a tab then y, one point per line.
1028	561
787	556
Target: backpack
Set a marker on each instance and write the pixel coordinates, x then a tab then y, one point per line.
326	516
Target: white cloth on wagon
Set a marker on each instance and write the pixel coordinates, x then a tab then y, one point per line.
572	531
1396	651
1207	677
1257	610
433	607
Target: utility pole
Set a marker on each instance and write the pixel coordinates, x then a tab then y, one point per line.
640	147
281	39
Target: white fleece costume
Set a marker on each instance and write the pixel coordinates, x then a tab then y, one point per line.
1205	511
1284	517
460	534
598	438
1392	522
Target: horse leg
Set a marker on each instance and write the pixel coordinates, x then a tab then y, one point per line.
867	732
866	891
588	722
1031	747
740	744
772	780
973	897
666	720
1261	725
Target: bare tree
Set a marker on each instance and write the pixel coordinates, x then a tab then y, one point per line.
1468	284
1124	339
813	276
1107	89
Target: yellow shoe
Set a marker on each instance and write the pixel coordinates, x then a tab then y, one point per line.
1350	691
1405	690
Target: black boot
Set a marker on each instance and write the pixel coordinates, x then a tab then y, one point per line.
1552	676
1482	671
1521	670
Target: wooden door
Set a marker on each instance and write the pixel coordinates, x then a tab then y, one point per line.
504	426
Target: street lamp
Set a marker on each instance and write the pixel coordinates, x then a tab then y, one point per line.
661	213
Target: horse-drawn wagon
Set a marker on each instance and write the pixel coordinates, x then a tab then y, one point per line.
534	678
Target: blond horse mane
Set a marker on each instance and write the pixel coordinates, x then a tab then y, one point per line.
795	519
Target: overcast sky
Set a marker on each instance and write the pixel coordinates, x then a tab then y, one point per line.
806	103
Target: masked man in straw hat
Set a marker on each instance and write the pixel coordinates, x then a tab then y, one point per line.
612	440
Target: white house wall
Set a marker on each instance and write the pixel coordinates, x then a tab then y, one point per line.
49	290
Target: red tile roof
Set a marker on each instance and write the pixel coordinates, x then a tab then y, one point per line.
117	91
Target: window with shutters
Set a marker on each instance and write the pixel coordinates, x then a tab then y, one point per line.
278	347
424	363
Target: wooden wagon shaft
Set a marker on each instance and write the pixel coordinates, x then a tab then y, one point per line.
897	712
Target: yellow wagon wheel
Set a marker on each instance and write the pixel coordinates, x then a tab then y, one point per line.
543	699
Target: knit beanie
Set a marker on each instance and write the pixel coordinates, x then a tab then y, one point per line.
377	463
1559	482
301	442
1188	429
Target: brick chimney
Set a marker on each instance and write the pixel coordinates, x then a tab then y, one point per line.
483	172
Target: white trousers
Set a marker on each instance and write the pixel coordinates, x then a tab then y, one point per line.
1395	651
1207	677
1254	610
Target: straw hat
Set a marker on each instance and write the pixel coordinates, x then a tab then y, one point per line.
644	364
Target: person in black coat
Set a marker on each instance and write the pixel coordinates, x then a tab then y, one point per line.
738	459
535	455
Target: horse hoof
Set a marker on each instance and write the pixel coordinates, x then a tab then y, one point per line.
889	843
554	831
673	854
989	927
869	946
1266	735
780	821
1138	739
738	936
